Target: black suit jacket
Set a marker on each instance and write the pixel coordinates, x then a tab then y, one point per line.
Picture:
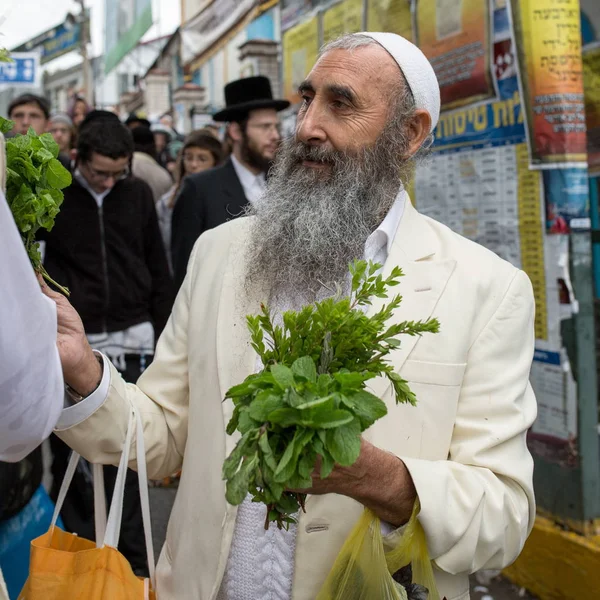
206	200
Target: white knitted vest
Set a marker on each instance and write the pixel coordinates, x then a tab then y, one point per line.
261	563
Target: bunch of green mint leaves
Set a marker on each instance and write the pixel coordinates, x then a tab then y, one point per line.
34	183
311	400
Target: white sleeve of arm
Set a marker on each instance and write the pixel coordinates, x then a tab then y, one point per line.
77	413
488	506
31	381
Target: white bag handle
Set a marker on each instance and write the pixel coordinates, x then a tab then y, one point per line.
99	504
113	526
107	532
99	496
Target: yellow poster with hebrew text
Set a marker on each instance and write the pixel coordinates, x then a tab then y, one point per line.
345	17
300	49
390	15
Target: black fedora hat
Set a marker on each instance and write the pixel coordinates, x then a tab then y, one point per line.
248	94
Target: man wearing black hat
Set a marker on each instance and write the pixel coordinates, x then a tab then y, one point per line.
210	198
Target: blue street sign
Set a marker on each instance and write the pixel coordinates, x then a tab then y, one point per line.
24	70
57	41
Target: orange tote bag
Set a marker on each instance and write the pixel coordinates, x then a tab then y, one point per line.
64	566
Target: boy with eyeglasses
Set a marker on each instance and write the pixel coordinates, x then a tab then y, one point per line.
106	247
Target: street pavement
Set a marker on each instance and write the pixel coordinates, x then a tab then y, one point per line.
484	586
492	586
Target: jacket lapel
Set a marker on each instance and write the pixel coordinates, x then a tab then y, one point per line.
413	250
234	198
235	356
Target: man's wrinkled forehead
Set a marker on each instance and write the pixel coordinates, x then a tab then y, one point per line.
352	74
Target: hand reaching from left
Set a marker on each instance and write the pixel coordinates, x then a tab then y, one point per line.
81	369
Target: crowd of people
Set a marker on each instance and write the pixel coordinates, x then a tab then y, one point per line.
162	273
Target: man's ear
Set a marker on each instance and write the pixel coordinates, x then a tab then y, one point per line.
419	128
235	132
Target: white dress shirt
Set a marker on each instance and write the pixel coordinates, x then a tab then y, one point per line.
253	185
261	563
31	381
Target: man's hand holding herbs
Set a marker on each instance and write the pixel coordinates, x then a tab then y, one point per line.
378	480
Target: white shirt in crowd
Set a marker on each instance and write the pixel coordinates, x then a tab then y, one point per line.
31	381
253	185
261	563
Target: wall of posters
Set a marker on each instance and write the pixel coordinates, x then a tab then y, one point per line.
548	38
390	15
591	81
488	196
553	384
345	17
478	182
300	49
567	200
455	35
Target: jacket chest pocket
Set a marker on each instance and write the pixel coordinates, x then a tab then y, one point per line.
437	388
424	430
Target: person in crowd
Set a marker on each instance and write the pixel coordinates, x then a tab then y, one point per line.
166	121
137	120
201	151
29	110
63	132
144	165
336	193
171	157
163	136
78	109
209	199
106	248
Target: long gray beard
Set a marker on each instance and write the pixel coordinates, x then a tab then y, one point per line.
310	224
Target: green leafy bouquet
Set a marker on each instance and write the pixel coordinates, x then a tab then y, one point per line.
311	400
35	178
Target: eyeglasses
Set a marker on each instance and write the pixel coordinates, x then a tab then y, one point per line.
104	175
266	127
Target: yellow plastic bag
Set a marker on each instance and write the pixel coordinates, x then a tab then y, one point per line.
363	570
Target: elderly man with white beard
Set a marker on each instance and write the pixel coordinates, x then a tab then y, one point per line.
337	193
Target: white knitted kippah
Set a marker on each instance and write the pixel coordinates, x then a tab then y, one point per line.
416	69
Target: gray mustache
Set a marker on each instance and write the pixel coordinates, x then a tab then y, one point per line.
300	151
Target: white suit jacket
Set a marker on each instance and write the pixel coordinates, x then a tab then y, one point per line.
464	443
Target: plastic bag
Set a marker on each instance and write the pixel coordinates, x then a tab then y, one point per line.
363	570
16	534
